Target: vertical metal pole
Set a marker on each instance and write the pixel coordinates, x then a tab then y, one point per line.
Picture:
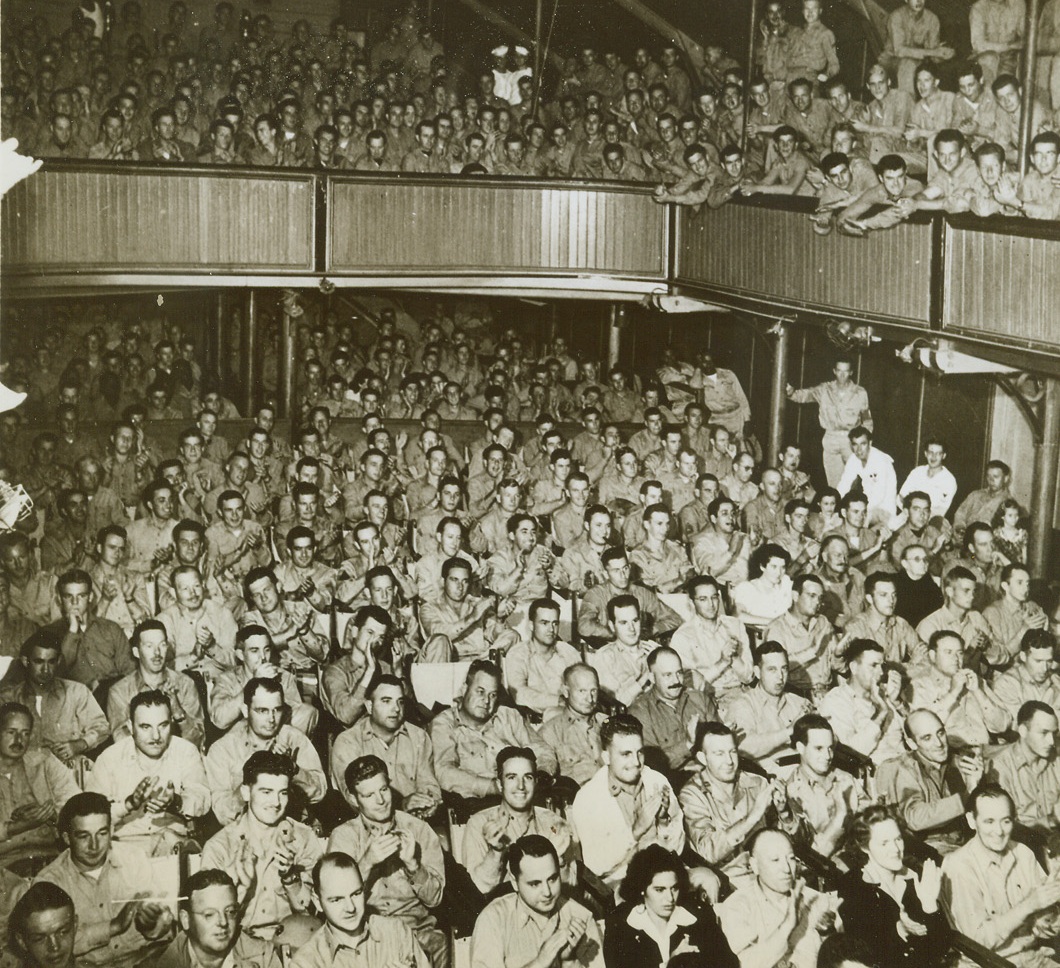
249	354
778	397
286	365
216	339
614	334
228	338
1030	64
921	391
539	60
1046	473
750	73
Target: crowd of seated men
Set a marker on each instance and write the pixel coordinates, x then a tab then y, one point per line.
615	696
238	94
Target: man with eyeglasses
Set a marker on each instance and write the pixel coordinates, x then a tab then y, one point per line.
211	917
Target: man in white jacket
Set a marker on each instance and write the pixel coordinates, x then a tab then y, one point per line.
626	805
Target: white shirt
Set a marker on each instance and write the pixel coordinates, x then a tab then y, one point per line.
941	487
877	480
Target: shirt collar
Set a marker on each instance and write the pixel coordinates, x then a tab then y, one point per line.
639	918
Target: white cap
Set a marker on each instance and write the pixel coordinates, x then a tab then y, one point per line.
501	51
522	50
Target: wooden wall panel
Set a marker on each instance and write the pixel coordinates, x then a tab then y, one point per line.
412	228
774	252
1002	285
123	221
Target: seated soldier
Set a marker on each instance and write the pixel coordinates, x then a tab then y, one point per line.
156	781
235	543
459	626
808	638
572	733
866	710
593	621
344	682
929	783
723	805
400	854
763	715
663	564
296	630
68	720
152	652
694	518
622	664
822	795
261	728
114	929
378	939
189	548
712	644
32	591
123	595
537	924
994	890
1029	770
34	785
1031	676
581	564
880	623
94	649
211	927
794	536
721	550
844	585
202	630
671	711
490	531
775	920
568	520
256	658
1013	615
964	703
533	669
43	926
519	572
490	833
957	615
269	853
468	735
625	805
448	542
920	529
303	576
403	747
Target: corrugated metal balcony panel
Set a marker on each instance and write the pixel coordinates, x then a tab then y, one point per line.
1003	285
464	227
774	252
63	221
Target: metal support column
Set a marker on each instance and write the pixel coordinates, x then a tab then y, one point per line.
750	73
286	365
778	397
215	340
249	367
1046	474
1030	66
614	333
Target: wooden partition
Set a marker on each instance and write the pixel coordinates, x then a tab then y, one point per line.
766	250
478	225
1002	280
126	219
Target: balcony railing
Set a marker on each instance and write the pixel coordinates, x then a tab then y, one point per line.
86	224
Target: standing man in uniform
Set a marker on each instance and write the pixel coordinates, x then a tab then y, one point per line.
842	406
